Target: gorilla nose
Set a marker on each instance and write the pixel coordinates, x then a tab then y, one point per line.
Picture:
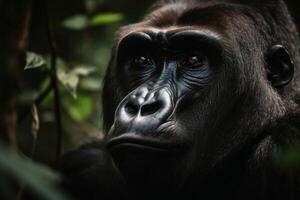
144	107
134	108
151	108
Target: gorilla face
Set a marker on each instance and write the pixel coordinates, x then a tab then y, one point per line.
169	72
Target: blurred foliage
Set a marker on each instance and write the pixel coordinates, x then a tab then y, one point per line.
84	31
288	158
79	22
37	178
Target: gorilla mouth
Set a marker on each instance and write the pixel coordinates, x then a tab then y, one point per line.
130	142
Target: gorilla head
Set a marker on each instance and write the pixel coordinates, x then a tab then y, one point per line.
195	82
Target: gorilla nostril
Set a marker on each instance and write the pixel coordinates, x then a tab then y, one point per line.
131	108
152	108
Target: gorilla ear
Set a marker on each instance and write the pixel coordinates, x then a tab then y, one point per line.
280	67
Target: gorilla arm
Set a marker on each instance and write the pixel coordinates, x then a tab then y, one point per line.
88	172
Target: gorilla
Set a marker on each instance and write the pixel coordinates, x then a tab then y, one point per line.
199	98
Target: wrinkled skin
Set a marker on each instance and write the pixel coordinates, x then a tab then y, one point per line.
197	100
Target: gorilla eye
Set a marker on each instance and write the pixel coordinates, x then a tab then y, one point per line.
142	60
193	60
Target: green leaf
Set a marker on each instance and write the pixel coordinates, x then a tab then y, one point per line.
83	70
69	80
105	18
76	22
80	108
34	60
37	177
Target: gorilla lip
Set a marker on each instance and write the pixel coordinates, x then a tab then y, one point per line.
137	142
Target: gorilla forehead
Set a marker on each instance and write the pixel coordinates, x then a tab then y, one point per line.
162	36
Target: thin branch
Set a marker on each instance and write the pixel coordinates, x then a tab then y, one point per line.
37	102
54	83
